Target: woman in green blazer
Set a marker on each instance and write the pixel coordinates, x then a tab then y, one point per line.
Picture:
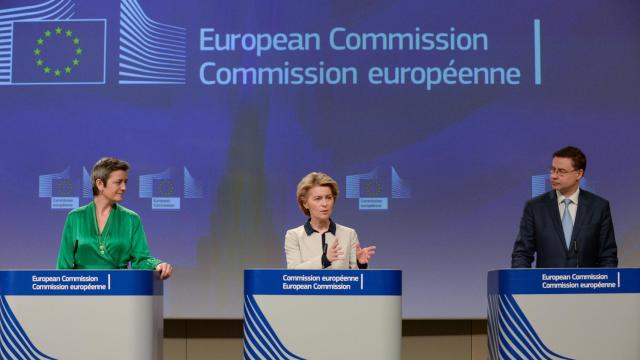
104	234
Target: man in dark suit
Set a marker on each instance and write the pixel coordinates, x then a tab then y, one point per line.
568	226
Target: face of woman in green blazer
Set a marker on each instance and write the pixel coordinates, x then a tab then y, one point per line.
113	191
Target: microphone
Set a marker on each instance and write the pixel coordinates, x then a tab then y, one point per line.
575	251
325	261
75	249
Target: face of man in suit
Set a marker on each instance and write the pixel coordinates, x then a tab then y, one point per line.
564	177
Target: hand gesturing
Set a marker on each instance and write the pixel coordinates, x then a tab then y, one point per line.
364	254
335	252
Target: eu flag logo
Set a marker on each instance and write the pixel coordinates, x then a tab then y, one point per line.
370	188
163	187
62	188
58	52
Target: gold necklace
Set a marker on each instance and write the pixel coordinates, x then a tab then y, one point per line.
102	240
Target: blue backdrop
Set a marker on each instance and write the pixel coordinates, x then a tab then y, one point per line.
438	119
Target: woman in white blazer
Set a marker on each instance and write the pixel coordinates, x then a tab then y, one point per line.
321	243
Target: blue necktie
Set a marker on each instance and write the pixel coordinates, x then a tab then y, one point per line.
567	224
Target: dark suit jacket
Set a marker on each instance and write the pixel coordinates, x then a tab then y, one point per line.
593	242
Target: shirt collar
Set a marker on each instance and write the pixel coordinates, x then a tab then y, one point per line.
574	197
310	230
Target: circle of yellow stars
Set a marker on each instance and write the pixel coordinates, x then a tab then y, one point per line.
64	187
38	52
166	187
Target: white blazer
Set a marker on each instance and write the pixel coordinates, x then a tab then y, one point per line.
303	247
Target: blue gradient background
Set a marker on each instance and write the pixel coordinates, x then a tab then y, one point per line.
468	152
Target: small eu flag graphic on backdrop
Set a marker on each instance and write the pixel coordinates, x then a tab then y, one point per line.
370	188
163	187
52	52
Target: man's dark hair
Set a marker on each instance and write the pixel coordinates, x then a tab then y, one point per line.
103	169
578	158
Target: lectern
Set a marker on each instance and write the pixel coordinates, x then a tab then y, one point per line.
113	314
564	314
322	314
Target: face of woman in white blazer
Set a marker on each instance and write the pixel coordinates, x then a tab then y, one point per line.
320	203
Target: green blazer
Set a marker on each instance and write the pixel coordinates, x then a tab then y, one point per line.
123	241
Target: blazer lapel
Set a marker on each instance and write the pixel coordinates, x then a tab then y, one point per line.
555	216
581	214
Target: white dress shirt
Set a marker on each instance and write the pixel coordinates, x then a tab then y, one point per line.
573	206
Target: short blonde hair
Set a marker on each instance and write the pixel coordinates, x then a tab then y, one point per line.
314	179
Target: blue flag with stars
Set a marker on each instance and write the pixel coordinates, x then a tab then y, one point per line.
49	52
